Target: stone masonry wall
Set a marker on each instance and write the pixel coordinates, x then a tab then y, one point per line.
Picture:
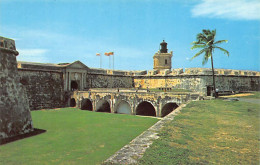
15	117
181	82
198	83
44	88
109	81
233	83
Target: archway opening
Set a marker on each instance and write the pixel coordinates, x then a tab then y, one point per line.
103	106
168	108
74	85
209	90
72	102
123	107
146	109
86	105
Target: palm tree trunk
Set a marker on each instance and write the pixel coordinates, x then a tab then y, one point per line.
213	75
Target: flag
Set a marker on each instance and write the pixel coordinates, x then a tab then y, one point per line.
111	53
98	54
107	54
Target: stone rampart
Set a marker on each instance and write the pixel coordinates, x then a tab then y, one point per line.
199	83
109	72
231	72
198	71
97	71
15	117
109	81
44	88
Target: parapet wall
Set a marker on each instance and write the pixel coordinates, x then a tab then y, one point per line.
198	71
109	72
227	72
109	81
44	88
199	83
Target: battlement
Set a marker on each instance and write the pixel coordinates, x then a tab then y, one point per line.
198	71
109	72
155	72
231	72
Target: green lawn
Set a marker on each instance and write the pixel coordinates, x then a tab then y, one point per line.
209	132
74	137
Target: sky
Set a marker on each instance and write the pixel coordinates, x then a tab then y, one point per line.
59	31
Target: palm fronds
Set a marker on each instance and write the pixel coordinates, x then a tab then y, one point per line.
206	42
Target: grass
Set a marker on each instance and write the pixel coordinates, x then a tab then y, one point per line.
209	132
74	137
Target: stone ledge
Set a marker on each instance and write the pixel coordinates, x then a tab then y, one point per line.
5	50
133	151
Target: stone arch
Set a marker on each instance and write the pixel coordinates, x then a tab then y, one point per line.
168	108
123	107
86	104
72	102
74	85
146	109
103	106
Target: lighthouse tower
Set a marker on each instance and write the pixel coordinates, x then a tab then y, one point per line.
162	59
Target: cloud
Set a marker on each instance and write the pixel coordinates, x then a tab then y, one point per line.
32	55
232	9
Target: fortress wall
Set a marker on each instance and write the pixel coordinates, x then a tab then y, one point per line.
44	88
234	83
109	71
199	83
109	81
181	82
15	116
228	72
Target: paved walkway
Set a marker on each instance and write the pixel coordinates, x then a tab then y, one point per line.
130	153
250	100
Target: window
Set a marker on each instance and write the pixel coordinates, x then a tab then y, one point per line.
165	61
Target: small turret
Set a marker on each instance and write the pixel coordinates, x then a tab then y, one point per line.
162	59
163	47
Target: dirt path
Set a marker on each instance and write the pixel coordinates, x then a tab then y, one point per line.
250	100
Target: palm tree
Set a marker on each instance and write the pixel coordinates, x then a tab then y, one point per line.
206	42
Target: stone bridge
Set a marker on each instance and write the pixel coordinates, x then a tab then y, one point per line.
130	101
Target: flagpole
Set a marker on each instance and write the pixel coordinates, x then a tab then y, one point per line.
109	62
100	60
113	60
99	54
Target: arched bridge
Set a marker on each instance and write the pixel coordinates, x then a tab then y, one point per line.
131	102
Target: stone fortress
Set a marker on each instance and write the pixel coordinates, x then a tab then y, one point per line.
29	86
50	85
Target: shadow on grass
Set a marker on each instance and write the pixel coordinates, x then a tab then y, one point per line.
35	132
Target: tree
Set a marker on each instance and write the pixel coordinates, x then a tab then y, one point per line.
206	42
